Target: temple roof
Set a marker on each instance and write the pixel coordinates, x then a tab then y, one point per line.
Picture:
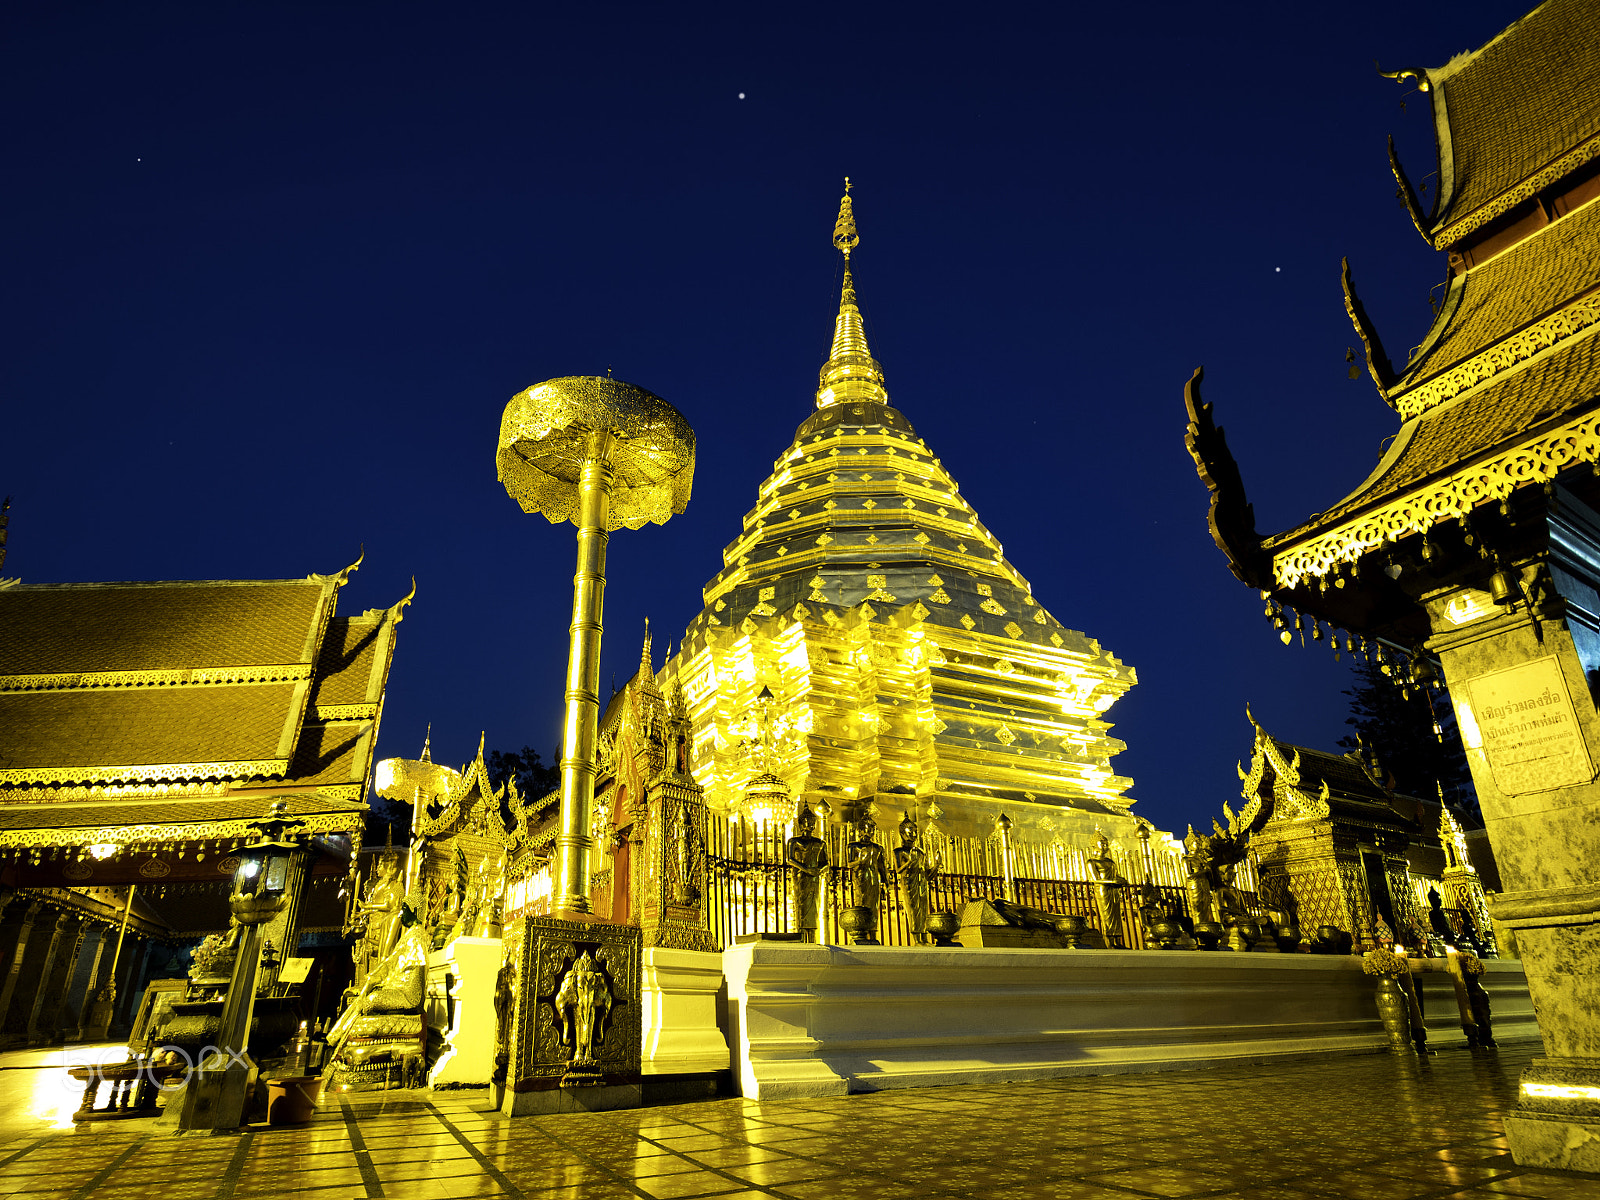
1538	276
1502	391
1287	782
1438	443
167	818
1515	114
186	703
120	627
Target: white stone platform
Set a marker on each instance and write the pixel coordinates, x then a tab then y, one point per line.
681	1034
813	1020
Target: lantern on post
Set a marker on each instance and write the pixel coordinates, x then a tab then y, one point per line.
218	1094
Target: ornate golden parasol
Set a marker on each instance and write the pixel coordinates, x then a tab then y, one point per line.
602	454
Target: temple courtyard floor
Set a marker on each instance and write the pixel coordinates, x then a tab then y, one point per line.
1369	1128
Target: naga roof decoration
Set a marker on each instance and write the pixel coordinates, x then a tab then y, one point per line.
904	646
1503	391
139	712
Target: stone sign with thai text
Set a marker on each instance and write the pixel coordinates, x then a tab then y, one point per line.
1523	720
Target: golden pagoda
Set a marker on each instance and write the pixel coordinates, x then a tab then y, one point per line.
904	654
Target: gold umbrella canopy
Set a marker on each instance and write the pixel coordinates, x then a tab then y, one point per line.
413	781
544	435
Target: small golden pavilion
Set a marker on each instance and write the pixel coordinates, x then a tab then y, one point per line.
904	652
143	727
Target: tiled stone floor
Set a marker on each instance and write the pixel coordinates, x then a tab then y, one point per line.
1367	1128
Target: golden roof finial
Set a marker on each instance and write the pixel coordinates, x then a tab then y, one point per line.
851	373
647	666
845	236
427	745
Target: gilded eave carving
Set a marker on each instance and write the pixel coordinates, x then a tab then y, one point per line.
1419	509
285	673
261	768
1581	318
1453	231
183	831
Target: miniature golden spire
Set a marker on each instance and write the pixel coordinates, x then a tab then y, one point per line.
427	740
647	666
851	373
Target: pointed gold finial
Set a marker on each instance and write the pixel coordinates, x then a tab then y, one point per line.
647	666
427	745
851	373
845	236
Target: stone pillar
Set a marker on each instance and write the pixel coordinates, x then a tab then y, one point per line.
82	1004
19	956
128	995
1519	676
63	1017
55	1013
41	991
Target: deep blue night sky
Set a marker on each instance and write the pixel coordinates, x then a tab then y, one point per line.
272	271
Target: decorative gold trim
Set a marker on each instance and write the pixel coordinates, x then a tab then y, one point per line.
345	791
113	793
1445	499
1450	234
267	767
1580	317
189	831
343	712
284	673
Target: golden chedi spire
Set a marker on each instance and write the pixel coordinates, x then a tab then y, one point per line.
851	374
865	601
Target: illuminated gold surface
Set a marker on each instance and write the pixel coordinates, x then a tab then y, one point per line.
543	438
901	646
1536	461
851	373
1580	319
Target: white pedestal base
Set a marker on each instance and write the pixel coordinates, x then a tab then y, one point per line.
460	1003
680	1013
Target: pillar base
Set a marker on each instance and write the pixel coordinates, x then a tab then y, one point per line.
1556	1122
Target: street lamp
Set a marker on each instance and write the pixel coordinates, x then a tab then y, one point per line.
218	1095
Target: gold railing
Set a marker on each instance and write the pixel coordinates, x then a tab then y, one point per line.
752	888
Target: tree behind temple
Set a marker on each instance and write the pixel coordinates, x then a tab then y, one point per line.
1400	731
535	778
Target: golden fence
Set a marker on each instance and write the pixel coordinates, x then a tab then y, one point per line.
751	886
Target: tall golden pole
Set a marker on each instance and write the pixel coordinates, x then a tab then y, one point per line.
602	454
581	725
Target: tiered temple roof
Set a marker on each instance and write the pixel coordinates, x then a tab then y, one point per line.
1502	390
177	712
904	650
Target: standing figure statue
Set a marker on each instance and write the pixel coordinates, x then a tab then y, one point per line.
488	901
915	872
868	864
808	855
504	1002
1108	883
1197	861
582	1003
377	917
